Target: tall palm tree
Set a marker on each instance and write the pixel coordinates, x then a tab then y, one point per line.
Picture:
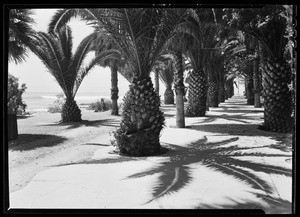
221	96
141	35
20	34
55	51
177	47
102	43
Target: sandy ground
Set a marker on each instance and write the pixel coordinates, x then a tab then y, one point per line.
43	142
218	161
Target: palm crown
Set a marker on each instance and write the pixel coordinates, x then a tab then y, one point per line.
140	34
55	51
20	34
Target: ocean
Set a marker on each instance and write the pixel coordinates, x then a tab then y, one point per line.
40	101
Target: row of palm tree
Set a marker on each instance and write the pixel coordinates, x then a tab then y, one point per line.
133	42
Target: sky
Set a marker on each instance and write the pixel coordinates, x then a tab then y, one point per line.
37	78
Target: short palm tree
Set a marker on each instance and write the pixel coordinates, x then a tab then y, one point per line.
198	84
20	34
141	34
55	51
213	71
167	75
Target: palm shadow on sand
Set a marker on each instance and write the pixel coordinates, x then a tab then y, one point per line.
31	141
175	172
88	123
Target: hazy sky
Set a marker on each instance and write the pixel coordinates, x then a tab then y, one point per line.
35	75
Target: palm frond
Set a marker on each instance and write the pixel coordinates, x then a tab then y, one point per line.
65	35
83	72
167	73
79	55
20	34
51	46
61	18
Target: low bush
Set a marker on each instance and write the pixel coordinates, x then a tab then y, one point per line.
15	103
101	105
56	107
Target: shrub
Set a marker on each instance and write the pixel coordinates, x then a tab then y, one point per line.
56	107
15	103
101	106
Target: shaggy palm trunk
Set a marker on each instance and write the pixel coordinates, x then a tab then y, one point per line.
249	88
156	78
169	96
207	101
197	94
277	97
221	96
70	111
179	90
256	83
141	122
213	90
114	90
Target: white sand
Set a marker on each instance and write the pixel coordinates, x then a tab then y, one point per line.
221	161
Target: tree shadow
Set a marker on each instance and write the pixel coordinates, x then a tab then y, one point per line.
97	144
87	123
276	205
238	111
31	141
235	130
174	173
24	116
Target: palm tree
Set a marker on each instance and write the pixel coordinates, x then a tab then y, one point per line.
198	83
102	43
166	75
141	34
214	71
55	51
221	96
268	26
20	34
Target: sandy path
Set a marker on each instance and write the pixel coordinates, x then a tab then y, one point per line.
71	143
218	161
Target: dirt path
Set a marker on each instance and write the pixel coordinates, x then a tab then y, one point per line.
51	144
43	142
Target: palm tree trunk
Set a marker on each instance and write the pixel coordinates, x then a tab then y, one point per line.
70	111
221	96
277	97
179	90
213	90
12	125
141	122
250	92
256	83
114	89
156	78
207	101
197	94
